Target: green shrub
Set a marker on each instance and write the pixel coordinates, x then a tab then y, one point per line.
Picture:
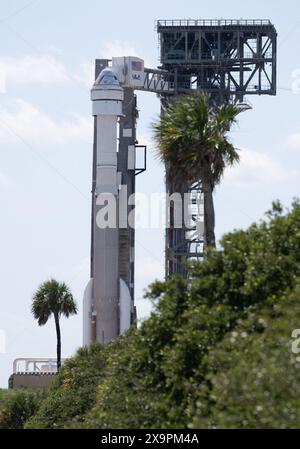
180	368
17	406
73	392
253	378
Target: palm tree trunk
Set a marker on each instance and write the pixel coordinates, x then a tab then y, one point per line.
209	216
58	348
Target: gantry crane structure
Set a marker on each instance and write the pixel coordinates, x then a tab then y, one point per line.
226	59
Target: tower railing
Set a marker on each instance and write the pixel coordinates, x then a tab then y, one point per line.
210	22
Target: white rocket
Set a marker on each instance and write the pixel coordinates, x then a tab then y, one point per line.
101	307
107	303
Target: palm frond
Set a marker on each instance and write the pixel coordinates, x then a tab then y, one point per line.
52	297
191	139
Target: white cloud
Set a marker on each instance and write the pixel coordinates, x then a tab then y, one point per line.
32	69
49	68
85	74
254	170
124	48
4	180
117	48
296	81
26	121
293	141
45	69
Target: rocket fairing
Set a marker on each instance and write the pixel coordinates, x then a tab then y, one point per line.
101	320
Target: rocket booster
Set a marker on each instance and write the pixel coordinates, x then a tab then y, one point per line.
101	320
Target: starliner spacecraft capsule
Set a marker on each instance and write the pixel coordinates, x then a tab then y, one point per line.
105	314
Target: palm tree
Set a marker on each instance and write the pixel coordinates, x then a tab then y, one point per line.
53	298
192	139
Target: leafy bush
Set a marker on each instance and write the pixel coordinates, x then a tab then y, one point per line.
253	380
17	406
181	367
73	392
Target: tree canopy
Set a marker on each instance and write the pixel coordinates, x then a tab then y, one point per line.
53	298
215	352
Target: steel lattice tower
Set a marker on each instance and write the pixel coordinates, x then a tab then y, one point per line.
227	59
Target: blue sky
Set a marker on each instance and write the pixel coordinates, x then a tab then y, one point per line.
46	66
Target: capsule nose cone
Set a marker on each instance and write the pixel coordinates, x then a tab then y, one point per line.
107	79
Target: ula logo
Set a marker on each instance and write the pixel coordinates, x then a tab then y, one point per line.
135	76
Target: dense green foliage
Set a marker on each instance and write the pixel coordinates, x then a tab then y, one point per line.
73	392
216	351
254	380
16	407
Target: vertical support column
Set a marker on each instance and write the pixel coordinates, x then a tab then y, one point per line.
169	213
175	241
274	63
127	138
200	46
259	56
186	50
241	58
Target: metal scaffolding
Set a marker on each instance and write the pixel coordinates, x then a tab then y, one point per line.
227	59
